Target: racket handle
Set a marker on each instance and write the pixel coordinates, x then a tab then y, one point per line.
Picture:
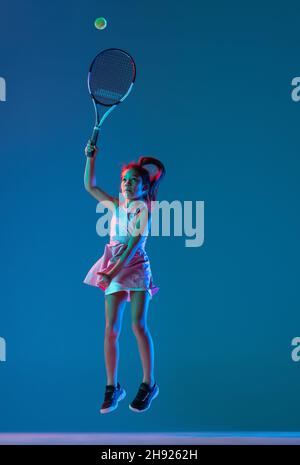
93	141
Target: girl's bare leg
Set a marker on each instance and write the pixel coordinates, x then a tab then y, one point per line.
114	309
139	309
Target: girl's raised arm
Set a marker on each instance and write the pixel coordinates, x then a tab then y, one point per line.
90	182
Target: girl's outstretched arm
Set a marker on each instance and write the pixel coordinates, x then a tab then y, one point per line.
90	182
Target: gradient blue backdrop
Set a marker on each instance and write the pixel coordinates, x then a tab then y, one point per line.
213	101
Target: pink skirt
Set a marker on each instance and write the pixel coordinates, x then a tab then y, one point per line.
135	275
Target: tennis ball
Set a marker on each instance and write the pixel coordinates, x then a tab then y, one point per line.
100	23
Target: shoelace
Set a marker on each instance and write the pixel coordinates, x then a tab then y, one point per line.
142	395
109	393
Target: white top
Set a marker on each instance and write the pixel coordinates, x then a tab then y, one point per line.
124	220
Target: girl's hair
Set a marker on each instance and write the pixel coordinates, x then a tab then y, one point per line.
151	176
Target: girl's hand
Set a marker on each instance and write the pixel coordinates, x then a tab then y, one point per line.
103	280
89	148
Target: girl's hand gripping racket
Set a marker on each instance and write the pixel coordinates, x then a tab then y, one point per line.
110	79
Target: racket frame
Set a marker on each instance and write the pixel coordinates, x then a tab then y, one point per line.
100	119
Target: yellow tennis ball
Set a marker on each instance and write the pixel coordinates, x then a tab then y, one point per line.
100	23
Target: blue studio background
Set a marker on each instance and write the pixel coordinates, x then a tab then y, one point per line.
213	101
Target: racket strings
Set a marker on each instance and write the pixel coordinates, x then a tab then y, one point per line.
111	75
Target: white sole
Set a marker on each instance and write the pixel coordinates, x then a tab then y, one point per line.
141	411
114	407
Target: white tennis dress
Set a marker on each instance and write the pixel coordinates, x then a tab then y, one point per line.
134	275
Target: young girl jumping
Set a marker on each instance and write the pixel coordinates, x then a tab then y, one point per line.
124	273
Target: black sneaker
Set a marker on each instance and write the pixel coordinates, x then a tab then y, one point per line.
112	396
144	397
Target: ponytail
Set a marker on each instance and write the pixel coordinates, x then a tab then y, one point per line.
156	172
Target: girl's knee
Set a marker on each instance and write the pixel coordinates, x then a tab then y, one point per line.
139	327
112	331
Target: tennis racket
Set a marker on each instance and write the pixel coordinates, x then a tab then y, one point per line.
110	80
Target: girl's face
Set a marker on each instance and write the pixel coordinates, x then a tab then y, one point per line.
132	185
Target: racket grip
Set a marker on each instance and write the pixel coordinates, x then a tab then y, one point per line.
93	141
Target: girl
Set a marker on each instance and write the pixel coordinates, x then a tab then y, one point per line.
124	273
